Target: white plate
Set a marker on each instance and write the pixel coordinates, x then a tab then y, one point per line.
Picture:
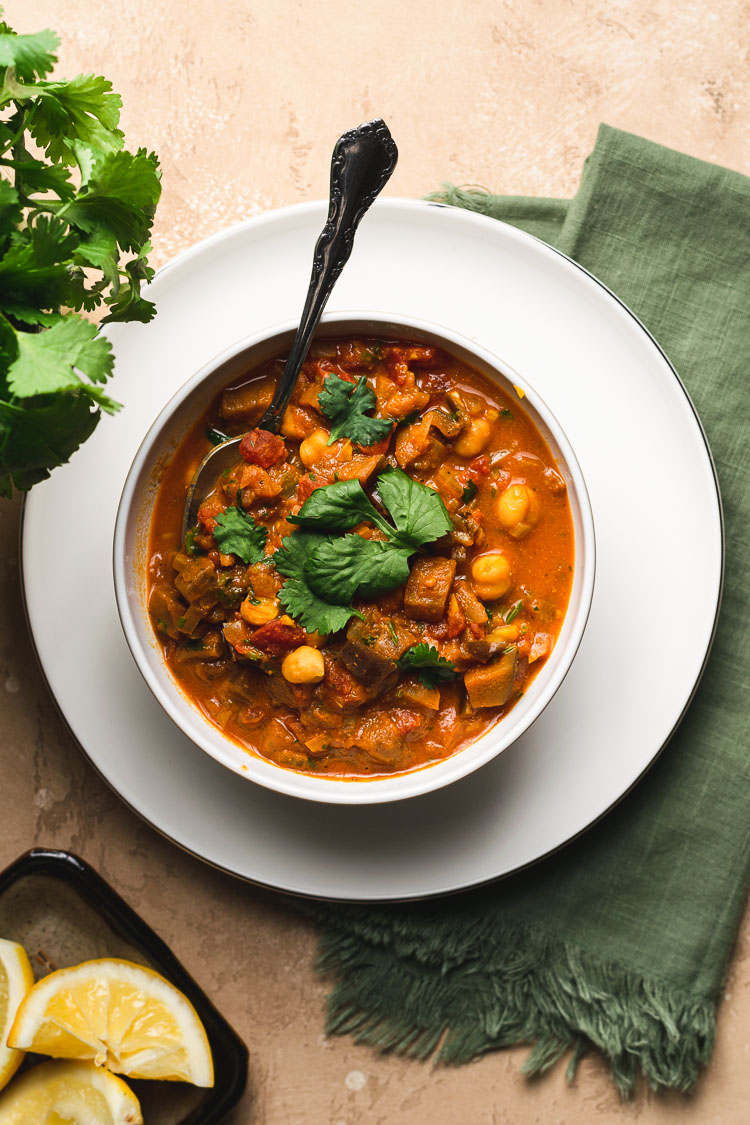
659	554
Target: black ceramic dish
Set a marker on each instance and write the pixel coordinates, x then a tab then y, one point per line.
63	913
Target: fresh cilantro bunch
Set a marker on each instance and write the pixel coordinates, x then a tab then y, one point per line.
325	573
73	205
345	405
430	667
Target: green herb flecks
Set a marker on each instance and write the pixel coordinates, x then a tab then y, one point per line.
469	492
346	405
408	419
313	613
512	613
216	437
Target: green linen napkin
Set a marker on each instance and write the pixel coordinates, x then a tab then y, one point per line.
621	940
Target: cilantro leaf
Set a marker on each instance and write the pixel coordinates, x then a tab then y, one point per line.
33	440
346	405
430	667
120	195
339	507
351	566
83	109
36	176
313	613
417	510
35	265
237	533
31	56
10	207
47	360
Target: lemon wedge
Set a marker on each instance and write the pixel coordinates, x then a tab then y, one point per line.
69	1093
16	978
123	1016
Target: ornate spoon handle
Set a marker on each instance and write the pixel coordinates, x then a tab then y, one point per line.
361	165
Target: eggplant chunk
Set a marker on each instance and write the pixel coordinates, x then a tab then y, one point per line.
366	664
196	579
384	636
413	691
492	684
483	649
428	588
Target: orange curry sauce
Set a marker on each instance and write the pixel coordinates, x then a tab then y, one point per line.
489	597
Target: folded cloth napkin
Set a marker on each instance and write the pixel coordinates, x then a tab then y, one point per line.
621	940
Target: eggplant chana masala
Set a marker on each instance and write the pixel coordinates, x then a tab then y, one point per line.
373	588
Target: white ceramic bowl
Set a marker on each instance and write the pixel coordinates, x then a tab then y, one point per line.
131	550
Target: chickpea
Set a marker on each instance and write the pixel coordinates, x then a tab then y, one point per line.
259	611
313	448
491	576
518	510
473	438
303	666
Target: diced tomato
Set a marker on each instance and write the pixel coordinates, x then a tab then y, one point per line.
399	372
480	466
277	638
323	367
259	447
306	487
208	511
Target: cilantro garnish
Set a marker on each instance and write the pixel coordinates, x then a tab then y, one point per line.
313	613
237	533
345	405
325	573
73	204
469	492
339	507
428	665
349	566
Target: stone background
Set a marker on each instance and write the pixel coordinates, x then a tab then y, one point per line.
243	101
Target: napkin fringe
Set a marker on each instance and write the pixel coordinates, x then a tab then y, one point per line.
522	988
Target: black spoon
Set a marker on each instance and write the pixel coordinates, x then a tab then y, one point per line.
362	162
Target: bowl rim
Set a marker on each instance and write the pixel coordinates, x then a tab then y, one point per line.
381	788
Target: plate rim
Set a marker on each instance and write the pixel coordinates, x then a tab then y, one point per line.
391	202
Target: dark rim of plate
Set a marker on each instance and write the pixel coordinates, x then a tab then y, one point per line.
229	1052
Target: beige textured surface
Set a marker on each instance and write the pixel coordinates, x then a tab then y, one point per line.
243	101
